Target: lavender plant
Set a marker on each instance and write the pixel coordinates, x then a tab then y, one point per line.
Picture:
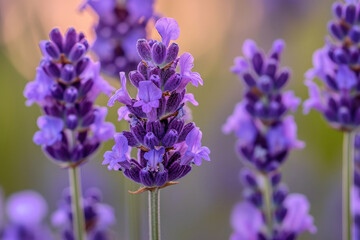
66	86
290	212
337	67
26	211
98	216
266	135
355	197
121	24
166	145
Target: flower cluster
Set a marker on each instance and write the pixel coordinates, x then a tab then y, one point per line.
98	216
355	198
290	211
66	85
337	66
120	26
265	133
167	146
26	212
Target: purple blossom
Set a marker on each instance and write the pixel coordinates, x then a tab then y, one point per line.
121	95
168	29
102	130
266	134
99	217
186	63
167	144
50	130
37	90
355	193
66	86
119	155
336	66
195	152
119	27
297	219
290	211
26	212
247	222
154	157
149	95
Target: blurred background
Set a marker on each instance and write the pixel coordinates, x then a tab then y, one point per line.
213	31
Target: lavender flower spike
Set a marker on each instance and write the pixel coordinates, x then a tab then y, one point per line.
266	134
66	86
121	24
336	65
167	146
99	217
26	212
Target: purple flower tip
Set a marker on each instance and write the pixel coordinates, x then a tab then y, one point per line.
168	29
246	221
50	130
119	154
26	208
297	218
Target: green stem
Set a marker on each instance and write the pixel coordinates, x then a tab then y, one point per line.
268	202
347	178
154	214
76	203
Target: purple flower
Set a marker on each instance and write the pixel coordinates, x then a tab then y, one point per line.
265	134
119	155
335	65
149	95
247	222
290	211
99	217
297	219
50	130
37	90
186	63
66	86
195	152
119	27
26	212
168	29
167	144
154	157
121	95
241	124
102	130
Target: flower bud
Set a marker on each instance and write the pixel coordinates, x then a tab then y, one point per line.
70	95
158	53
70	40
68	73
136	77
77	51
144	49
172	53
52	50
56	37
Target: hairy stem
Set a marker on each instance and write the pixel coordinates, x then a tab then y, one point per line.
347	178
76	203
154	214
